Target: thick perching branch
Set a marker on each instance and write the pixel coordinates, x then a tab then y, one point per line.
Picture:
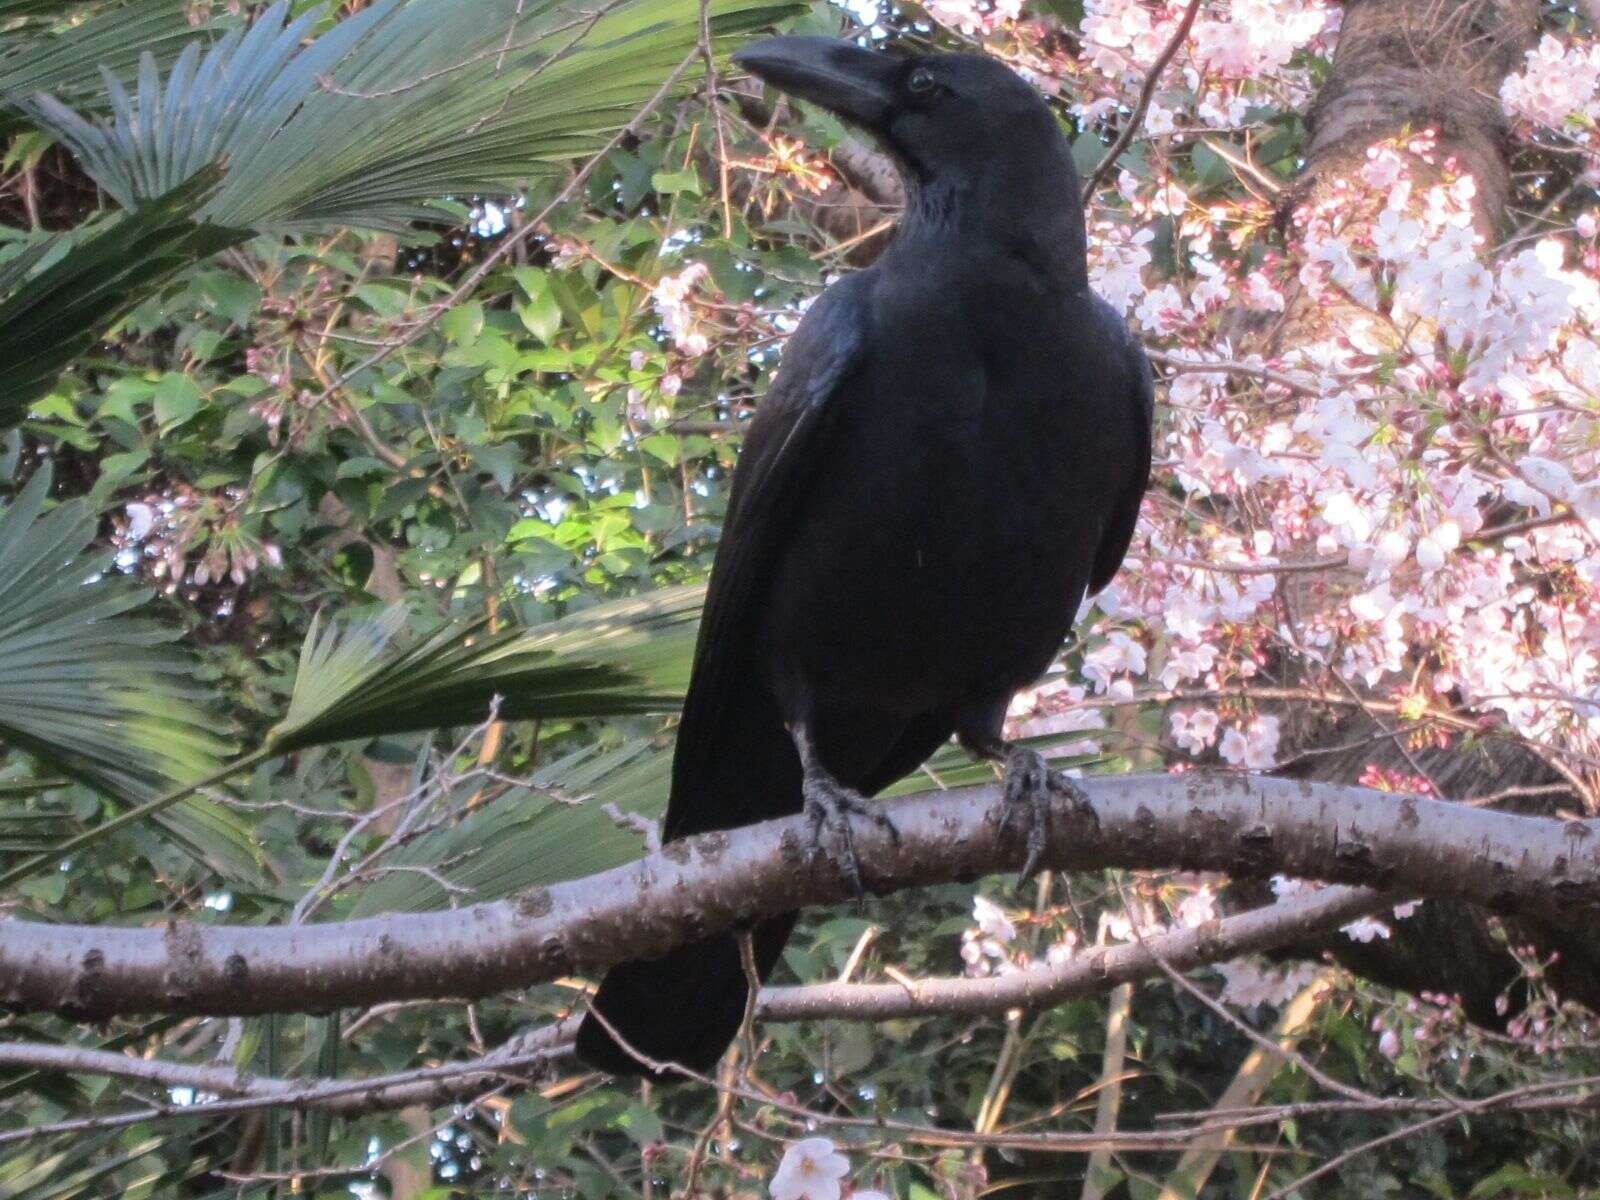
1031	988
1218	822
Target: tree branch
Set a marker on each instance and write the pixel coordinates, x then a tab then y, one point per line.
1238	824
1093	970
1031	988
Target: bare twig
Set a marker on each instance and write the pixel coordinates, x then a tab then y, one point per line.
1136	117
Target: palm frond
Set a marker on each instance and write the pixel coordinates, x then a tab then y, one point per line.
61	46
562	825
405	102
95	691
56	297
629	656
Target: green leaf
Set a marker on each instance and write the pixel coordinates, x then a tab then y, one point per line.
1514	1179
541	314
642	1125
49	316
464	322
177	398
676	181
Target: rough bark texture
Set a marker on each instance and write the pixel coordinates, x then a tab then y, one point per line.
1413	64
1241	825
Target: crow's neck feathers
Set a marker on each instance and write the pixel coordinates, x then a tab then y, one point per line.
1015	206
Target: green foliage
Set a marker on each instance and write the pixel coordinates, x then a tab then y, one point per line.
350	685
395	105
62	46
93	691
57	295
401	103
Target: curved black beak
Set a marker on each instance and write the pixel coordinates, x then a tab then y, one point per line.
854	84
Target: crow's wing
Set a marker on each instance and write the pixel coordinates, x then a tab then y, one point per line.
1140	392
729	713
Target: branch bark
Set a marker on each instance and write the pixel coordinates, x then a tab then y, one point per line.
1218	822
1036	987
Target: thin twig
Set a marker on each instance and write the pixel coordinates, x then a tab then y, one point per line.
1136	118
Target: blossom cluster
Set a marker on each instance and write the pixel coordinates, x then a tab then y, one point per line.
1237	53
679	317
1404	503
1557	86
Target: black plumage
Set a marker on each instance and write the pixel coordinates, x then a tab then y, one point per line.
952	455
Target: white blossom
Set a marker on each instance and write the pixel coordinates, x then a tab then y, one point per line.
811	1169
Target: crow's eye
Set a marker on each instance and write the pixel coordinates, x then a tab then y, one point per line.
921	81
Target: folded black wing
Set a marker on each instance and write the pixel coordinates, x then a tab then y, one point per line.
1136	386
728	713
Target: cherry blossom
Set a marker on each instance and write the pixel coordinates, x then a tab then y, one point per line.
1254	746
811	1169
1556	81
671	296
1194	729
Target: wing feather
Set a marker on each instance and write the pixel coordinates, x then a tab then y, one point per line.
785	443
1140	391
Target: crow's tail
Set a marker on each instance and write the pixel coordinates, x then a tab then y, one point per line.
683	1008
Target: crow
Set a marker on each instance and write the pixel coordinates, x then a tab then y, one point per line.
952	455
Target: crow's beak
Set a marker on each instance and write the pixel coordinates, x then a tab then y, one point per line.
854	84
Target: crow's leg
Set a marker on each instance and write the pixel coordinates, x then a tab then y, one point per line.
1030	786
829	805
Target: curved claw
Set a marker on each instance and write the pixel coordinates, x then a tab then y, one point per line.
1030	786
828	808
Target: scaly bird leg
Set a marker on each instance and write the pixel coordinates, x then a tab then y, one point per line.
829	805
1030	786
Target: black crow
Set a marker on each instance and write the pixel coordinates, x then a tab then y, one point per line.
952	455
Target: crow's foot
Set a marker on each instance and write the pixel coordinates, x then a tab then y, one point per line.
828	809
1030	786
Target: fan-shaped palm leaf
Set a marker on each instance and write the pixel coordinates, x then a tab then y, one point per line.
93	690
564	824
402	103
60	46
628	656
405	102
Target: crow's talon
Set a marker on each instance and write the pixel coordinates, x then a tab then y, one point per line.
828	809
1029	787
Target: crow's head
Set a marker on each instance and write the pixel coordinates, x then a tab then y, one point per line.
940	115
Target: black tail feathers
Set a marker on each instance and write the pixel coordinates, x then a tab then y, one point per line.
683	1008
